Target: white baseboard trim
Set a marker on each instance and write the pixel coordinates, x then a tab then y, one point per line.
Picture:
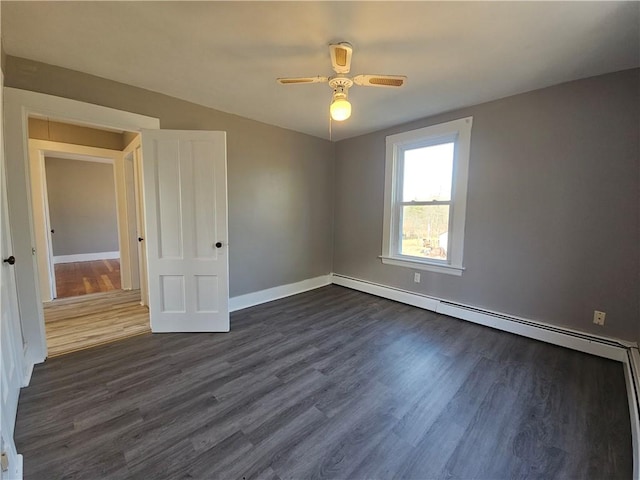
15	472
270	294
20	468
596	345
28	372
85	257
538	331
402	296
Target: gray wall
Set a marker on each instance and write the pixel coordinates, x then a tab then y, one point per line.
562	160
280	182
552	228
82	206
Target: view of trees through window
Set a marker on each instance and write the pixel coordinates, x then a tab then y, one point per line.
425	231
426	201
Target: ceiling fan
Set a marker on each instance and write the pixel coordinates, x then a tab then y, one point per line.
340	108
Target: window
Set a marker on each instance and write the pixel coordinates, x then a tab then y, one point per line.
426	197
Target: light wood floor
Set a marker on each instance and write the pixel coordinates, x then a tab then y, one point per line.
328	384
77	323
83	278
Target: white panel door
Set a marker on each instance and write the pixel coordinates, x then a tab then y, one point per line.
185	204
11	364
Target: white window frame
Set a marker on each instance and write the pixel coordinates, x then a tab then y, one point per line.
458	132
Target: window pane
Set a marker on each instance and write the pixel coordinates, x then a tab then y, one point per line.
425	231
428	173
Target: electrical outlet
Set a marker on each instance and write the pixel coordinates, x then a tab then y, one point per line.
598	317
416	277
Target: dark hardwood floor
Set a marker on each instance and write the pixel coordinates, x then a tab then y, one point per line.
82	278
331	383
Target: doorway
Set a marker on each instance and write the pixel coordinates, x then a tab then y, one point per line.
188	292
81	202
83	182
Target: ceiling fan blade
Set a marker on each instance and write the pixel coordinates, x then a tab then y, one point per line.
380	80
294	80
341	56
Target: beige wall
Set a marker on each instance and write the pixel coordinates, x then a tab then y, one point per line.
280	182
75	134
82	206
127	138
552	229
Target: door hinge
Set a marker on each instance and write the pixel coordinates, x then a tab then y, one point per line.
4	461
33	250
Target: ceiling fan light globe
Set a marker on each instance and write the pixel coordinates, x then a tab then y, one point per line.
340	109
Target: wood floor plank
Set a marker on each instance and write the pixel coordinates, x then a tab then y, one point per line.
82	278
77	323
331	383
269	450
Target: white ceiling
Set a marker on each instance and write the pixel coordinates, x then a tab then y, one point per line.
227	55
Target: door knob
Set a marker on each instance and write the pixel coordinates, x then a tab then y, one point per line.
218	244
140	239
11	260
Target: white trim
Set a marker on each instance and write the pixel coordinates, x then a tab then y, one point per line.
458	131
28	372
19	467
263	296
135	148
129	160
72	156
402	296
596	345
18	106
38	150
79	113
85	257
535	330
71	151
632	380
41	222
420	265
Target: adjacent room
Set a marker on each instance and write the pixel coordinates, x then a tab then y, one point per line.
84	196
345	240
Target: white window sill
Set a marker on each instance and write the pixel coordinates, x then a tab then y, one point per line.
419	265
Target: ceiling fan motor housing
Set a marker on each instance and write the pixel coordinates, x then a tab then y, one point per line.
340	84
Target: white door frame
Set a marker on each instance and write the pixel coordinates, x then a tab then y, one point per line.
11	361
12	370
18	106
133	153
38	149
